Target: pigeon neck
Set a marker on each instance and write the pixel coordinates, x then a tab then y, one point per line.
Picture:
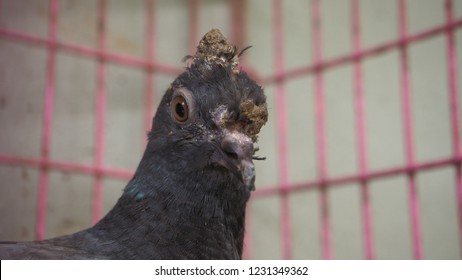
188	206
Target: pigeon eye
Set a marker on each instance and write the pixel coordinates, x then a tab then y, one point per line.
180	109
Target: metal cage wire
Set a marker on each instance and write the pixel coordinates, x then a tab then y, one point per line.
284	187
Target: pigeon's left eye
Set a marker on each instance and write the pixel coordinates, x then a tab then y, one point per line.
180	109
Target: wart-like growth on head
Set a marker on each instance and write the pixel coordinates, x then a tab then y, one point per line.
215	49
253	117
250	119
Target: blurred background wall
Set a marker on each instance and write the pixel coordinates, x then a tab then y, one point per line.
23	76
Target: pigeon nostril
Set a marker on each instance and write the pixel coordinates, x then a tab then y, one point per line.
232	155
230	148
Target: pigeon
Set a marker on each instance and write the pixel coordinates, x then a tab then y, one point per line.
187	198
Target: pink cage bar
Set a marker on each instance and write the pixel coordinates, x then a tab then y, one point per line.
281	75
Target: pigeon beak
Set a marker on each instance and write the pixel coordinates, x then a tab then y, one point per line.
238	150
248	174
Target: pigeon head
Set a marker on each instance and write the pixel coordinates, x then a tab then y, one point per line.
210	116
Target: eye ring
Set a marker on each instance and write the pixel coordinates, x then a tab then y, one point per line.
180	108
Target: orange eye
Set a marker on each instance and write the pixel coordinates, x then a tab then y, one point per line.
180	109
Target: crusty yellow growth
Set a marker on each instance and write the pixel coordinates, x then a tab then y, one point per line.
256	116
215	49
